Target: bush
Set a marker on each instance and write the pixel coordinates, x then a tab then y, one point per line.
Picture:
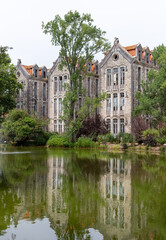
125	138
85	143
106	138
150	137
59	141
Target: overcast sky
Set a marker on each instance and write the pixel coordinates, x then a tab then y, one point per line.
132	21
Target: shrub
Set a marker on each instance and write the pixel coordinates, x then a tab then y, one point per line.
150	137
85	142
125	138
59	141
106	138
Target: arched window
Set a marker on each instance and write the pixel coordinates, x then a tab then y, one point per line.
108	124
122	130
115	126
108	83
108	103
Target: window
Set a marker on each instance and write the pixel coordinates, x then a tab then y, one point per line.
115	126
139	78
60	105
96	87
55	85
36	72
89	67
44	109
115	102
122	75
21	90
108	105
65	77
122	126
115	76
60	126
80	102
108	78
108	124
88	87
44	74
55	126
139	54
35	89
121	101
147	57
55	106
60	83
44	90
35	106
80	85
147	70
97	69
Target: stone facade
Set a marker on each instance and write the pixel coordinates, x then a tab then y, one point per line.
33	98
119	74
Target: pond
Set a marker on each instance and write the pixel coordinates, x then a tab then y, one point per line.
81	194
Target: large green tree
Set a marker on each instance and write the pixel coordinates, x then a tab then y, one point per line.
9	86
152	98
79	41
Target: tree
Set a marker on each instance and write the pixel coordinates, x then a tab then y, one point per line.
79	40
152	98
22	129
9	86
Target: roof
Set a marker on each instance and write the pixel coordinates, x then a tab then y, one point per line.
29	69
132	49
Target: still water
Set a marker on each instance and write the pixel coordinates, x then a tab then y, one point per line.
70	194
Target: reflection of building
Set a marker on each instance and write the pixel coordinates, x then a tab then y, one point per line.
115	185
56	209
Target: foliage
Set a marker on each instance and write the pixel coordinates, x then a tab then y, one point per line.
79	40
152	98
85	143
22	129
59	141
150	137
106	138
139	125
8	83
125	138
92	127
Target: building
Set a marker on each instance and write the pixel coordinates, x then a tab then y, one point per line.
34	94
57	80
119	74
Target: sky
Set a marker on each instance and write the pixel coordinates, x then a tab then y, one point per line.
131	21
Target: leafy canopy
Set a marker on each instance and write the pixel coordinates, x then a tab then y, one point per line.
9	86
152	98
79	40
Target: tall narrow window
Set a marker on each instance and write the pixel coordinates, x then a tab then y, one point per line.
115	102
88	87
60	105
96	94
55	85
108	124
35	89
147	57
121	101
122	126
115	126
147	70
139	54
35	106
44	74
122	75
55	106
115	76
60	126
80	85
36	72
108	77
44	90
55	125
44	109
60	83
139	78
108	105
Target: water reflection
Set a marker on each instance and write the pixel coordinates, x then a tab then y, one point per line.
82	195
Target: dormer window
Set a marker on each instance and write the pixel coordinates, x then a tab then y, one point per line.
44	74
35	72
147	57
89	67
139	54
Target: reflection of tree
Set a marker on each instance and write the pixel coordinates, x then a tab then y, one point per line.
81	195
21	173
149	185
